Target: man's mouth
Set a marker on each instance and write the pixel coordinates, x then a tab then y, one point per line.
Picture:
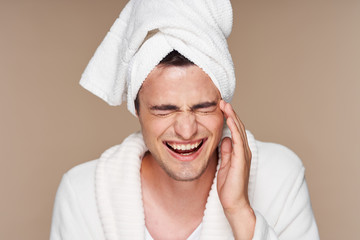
185	149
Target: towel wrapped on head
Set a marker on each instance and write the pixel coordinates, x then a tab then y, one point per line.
146	31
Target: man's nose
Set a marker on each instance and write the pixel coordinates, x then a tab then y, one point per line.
186	125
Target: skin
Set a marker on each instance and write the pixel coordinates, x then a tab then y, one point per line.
181	105
233	176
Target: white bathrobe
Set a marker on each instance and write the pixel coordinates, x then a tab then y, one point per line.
102	199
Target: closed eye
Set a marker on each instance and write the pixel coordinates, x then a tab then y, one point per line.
161	113
206	110
163	110
206	107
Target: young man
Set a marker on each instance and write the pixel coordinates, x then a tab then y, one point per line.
193	172
182	116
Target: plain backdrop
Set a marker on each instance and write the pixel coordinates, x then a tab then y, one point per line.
298	81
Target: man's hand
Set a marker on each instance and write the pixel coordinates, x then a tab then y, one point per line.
233	176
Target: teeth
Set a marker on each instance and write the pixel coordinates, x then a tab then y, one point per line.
184	147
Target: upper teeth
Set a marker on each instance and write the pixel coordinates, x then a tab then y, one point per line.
184	146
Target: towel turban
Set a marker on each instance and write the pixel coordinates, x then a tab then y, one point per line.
146	31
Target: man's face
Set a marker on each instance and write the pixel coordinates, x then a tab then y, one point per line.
181	120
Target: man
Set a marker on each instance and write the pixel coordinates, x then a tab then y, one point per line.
193	172
181	115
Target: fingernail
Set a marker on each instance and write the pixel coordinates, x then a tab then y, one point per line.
221	103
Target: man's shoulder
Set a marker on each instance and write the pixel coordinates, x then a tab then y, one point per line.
75	213
78	187
83	168
82	174
277	156
278	180
277	169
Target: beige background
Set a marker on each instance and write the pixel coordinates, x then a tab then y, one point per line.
297	65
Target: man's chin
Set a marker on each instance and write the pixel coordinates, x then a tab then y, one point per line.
185	175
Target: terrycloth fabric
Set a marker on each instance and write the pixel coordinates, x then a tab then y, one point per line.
146	31
106	204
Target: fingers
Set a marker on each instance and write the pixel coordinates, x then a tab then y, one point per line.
226	150
235	135
235	125
237	128
230	113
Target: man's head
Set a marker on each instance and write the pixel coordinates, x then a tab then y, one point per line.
181	121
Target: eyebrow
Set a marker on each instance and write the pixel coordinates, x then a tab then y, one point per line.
164	107
204	105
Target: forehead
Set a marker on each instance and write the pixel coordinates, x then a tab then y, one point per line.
173	83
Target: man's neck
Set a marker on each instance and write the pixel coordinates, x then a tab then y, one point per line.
179	203
158	181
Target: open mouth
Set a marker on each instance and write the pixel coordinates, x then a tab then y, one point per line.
185	149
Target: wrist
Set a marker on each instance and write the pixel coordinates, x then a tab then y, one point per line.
242	221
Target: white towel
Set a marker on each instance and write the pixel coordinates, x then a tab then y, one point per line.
146	31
